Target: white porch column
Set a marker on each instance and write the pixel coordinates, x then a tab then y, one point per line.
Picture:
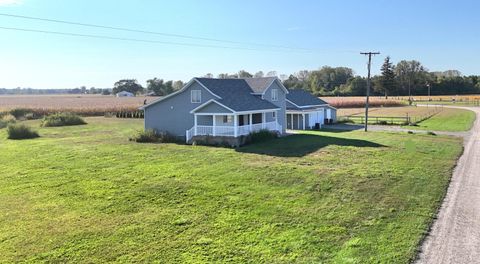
303	119
250	122
214	125
195	125
235	125
263	120
291	123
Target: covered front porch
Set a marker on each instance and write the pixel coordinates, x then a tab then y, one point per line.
232	125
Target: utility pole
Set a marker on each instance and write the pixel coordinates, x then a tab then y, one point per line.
429	97
368	85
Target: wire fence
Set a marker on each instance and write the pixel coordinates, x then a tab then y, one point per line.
391	120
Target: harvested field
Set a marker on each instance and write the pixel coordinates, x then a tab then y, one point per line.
359	101
90	105
389	115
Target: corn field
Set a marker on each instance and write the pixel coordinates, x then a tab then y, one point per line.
85	105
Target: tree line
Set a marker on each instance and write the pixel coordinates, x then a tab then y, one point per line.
403	79
407	77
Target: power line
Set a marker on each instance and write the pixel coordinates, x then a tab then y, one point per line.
150	32
131	39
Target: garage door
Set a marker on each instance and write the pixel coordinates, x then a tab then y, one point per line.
315	117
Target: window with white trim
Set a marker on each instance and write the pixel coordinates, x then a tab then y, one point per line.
274	94
196	96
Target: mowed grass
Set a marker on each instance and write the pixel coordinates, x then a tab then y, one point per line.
86	194
449	119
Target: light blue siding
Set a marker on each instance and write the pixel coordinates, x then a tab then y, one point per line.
281	103
173	115
214	108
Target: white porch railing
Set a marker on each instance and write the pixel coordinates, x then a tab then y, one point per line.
229	131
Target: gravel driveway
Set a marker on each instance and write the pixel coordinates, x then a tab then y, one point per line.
455	235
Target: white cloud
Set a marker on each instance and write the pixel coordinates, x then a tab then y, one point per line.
10	2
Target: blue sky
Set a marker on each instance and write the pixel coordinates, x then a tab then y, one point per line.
441	34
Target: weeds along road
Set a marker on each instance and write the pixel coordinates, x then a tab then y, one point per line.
455	234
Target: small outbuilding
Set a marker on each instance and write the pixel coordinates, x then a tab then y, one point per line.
125	94
306	111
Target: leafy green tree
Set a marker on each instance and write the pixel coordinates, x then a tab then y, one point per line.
271	74
325	80
159	87
411	75
259	74
129	85
292	82
177	85
244	74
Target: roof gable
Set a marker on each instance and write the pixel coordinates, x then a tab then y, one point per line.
236	94
212	105
185	87
259	85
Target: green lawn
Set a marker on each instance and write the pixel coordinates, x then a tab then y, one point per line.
449	119
86	194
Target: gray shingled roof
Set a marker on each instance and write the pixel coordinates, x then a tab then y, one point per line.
301	98
259	85
236	94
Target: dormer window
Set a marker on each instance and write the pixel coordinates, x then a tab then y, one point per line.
274	94
196	96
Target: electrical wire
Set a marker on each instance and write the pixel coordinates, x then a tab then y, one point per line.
150	32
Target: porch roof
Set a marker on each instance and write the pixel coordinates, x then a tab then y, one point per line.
225	106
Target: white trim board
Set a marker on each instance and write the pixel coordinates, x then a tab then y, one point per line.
241	113
305	106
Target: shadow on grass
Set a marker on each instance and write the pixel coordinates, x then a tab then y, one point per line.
343	127
301	145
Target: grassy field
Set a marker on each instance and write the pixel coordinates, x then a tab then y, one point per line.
390	115
86	194
448	120
437	118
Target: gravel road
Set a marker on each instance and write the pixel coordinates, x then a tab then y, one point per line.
455	235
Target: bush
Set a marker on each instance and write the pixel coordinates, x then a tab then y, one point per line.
6	119
151	136
382	122
260	136
22	113
62	119
21	131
